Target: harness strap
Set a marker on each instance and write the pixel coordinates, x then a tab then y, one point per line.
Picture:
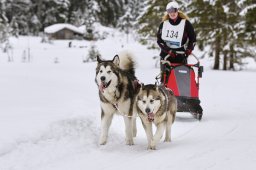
116	107
166	92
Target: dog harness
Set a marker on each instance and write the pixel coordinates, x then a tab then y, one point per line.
167	93
121	113
136	85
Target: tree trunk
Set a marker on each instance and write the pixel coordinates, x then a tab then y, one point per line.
225	58
231	61
231	65
39	9
217	53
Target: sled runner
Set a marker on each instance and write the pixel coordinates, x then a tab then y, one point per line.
184	82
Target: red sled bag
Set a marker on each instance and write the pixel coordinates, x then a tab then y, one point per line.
184	82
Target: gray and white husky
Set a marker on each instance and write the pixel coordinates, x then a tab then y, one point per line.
158	105
117	88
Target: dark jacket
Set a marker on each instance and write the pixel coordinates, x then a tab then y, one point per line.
188	35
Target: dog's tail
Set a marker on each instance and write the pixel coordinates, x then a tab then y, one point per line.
127	62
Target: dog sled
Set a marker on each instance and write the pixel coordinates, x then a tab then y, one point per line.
184	82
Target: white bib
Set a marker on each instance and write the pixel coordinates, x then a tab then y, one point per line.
172	34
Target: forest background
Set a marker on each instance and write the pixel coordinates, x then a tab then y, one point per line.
226	27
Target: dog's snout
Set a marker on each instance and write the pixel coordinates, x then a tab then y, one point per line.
147	110
102	78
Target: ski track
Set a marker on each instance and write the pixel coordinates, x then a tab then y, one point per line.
60	140
70	137
79	136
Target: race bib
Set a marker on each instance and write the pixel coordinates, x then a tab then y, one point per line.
172	34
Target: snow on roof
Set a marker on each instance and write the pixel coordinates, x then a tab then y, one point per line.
57	27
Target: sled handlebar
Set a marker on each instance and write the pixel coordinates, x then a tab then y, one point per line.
165	60
195	57
178	64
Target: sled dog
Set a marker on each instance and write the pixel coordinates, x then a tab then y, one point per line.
117	88
158	105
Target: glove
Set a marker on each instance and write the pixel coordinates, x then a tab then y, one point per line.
188	52
172	54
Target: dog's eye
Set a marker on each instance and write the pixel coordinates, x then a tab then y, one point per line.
143	101
151	101
108	72
101	71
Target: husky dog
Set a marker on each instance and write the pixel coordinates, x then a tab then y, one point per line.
117	89
158	105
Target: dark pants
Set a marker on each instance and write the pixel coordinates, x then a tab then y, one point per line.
180	58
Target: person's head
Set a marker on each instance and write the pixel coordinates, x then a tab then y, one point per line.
172	9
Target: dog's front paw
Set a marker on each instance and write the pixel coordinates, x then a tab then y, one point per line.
151	147
129	142
103	141
167	140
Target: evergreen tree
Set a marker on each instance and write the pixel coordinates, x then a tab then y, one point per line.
4	25
35	25
15	27
201	14
250	27
90	18
210	26
218	31
219	25
92	54
249	11
62	7
151	19
110	11
76	12
18	10
55	11
231	40
134	8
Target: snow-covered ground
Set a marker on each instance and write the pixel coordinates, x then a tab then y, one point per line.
50	114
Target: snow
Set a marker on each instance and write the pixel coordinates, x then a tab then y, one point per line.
245	10
50	114
57	27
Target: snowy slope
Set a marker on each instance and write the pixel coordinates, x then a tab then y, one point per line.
50	115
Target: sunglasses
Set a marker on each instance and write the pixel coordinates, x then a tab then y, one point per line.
172	10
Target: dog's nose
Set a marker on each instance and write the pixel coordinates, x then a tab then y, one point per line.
147	110
103	78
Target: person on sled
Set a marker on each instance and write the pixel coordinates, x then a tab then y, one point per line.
176	36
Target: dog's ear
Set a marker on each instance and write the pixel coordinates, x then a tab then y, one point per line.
99	59
116	60
156	87
142	86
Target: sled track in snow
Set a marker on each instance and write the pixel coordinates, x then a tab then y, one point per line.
61	139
